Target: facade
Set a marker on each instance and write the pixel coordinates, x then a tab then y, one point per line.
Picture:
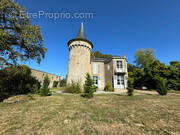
102	70
40	77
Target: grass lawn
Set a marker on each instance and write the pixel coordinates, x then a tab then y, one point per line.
103	114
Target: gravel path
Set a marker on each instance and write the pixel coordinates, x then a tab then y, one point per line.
137	92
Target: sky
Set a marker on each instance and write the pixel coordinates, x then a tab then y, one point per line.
114	27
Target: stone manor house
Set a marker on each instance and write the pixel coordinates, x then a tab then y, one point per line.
102	70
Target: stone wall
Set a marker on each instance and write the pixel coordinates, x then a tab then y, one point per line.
100	74
79	61
40	76
109	72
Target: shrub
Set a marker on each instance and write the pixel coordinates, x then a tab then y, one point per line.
74	88
130	87
108	87
17	80
89	87
45	91
161	85
63	82
55	84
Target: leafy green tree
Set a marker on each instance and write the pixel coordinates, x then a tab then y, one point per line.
148	67
89	87
175	64
55	84
19	39
174	75
98	54
63	82
144	58
138	75
160	85
108	87
45	91
15	80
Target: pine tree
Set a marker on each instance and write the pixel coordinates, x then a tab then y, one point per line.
89	87
44	91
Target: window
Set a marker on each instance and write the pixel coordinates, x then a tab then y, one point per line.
95	79
119	64
95	68
120	80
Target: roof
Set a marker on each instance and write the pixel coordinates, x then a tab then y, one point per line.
105	59
118	57
98	59
45	72
80	36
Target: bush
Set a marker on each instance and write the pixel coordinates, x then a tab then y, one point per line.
130	87
55	84
17	80
74	88
63	82
45	91
161	85
89	87
108	87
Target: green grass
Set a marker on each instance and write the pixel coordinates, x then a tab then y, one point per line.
103	114
53	90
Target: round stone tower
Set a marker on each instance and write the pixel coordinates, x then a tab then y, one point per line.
79	58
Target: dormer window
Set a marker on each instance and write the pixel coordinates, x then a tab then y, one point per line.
119	65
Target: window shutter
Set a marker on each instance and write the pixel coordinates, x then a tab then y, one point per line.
99	82
115	81
98	66
95	68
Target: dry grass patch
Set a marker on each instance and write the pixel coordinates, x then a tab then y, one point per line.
103	114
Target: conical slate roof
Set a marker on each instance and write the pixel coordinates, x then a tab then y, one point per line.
81	34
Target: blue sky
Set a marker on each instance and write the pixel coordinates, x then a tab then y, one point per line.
117	27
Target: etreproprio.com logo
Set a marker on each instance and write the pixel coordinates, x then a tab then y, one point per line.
57	15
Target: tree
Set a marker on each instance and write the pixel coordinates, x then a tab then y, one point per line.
148	67
137	74
44	91
174	75
144	58
63	82
15	80
19	39
89	87
98	54
160	85
55	84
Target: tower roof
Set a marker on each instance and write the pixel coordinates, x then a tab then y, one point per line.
81	34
